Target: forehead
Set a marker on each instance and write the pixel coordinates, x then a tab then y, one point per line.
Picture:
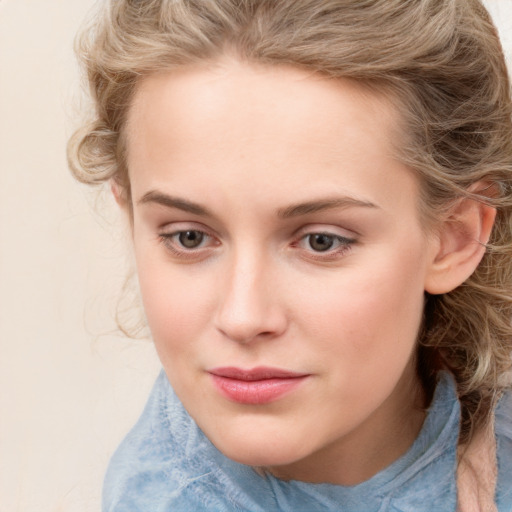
215	92
242	124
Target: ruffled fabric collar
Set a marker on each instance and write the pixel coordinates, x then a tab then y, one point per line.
166	463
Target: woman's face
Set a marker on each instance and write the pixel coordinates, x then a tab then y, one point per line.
282	264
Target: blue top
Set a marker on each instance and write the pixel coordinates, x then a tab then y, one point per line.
167	464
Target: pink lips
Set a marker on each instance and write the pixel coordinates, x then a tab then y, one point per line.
256	386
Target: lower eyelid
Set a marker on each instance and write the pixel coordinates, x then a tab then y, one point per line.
174	248
343	246
331	255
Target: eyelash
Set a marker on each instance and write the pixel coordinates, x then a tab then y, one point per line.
343	244
171	242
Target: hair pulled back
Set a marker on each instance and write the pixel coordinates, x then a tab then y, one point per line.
439	61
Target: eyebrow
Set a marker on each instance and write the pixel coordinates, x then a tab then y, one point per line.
294	210
323	204
156	197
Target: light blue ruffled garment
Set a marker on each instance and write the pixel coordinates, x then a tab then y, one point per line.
166	464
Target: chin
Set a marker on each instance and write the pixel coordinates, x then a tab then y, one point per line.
259	451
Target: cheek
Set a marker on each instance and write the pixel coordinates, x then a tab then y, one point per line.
369	315
176	304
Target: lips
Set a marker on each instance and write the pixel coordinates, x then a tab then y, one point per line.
256	386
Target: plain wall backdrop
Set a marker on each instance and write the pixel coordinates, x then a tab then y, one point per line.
70	384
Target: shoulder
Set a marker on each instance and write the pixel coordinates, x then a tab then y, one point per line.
156	464
503	429
139	461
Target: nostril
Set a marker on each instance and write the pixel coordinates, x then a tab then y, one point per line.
246	332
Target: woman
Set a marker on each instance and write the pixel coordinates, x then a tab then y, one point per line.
320	206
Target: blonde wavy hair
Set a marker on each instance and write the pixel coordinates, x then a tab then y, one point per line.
439	61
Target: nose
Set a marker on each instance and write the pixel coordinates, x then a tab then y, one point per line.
250	308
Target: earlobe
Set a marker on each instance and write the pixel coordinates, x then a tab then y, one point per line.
460	245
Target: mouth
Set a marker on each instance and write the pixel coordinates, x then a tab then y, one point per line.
256	386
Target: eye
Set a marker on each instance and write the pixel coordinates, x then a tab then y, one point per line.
324	246
320	242
191	239
187	243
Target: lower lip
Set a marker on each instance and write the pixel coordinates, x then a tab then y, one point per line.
256	392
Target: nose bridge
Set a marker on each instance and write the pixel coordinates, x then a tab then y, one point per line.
247	307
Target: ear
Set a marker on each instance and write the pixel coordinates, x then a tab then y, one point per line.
118	192
460	243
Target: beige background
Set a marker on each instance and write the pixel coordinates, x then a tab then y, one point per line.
70	386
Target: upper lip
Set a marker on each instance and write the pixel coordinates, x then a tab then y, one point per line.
258	373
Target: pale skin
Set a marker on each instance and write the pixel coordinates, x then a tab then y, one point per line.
311	257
